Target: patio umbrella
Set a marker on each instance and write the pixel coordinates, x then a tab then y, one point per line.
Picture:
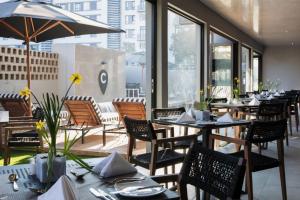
40	21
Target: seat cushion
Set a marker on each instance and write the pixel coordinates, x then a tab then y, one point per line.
260	162
165	157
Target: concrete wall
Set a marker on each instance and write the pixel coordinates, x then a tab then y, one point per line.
13	71
87	61
282	63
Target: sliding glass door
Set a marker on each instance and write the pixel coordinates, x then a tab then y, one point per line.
184	50
221	64
245	70
257	61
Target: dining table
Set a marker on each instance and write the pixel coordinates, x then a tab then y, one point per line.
28	180
205	127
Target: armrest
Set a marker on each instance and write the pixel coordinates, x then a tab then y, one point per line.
20	123
165	178
16	128
228	139
175	139
20	118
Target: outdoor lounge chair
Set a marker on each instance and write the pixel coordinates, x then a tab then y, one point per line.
17	105
84	114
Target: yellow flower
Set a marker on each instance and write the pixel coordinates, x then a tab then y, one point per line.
76	78
236	78
40	125
25	92
237	81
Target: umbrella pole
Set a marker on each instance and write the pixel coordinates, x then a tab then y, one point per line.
28	74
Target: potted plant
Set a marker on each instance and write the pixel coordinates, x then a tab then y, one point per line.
49	167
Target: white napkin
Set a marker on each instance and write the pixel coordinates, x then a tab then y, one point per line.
185	118
277	94
192	112
282	91
225	118
252	96
63	189
270	97
254	102
114	165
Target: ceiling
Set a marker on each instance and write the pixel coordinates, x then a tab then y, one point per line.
271	22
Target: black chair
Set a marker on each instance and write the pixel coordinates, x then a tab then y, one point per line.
213	172
260	132
160	156
167	112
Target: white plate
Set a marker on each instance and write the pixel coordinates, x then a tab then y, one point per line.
149	192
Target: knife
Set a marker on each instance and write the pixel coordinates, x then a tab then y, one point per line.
106	194
97	194
136	189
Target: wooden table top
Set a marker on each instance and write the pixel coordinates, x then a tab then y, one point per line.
90	180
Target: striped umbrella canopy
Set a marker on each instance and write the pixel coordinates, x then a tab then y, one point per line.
33	21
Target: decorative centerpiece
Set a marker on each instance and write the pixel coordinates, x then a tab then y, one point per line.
52	165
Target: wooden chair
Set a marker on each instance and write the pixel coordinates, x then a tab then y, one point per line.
157	158
20	135
215	173
260	132
84	115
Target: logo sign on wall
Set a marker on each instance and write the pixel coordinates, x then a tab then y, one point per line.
103	80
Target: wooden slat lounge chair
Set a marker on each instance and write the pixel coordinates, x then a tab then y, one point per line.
17	105
84	114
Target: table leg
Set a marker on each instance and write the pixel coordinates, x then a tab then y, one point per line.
205	132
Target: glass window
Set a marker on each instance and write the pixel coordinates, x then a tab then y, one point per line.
129	19
183	60
93	5
255	70
78	7
130	33
245	70
129	5
142	35
221	61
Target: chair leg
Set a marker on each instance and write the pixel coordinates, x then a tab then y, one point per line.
287	137
82	136
6	159
197	193
282	168
290	123
249	183
104	137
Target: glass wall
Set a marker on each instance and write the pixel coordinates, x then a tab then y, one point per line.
245	71
183	60
256	70
221	55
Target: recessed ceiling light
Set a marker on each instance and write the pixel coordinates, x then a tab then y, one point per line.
286	31
293	43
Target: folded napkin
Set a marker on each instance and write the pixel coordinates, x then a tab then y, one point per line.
252	96
282	91
63	189
270	97
185	118
191	112
254	102
114	165
276	94
225	118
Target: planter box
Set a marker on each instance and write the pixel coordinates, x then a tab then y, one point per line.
41	167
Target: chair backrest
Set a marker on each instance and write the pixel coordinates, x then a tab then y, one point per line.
266	131
165	112
218	174
130	107
17	105
139	129
270	109
83	110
